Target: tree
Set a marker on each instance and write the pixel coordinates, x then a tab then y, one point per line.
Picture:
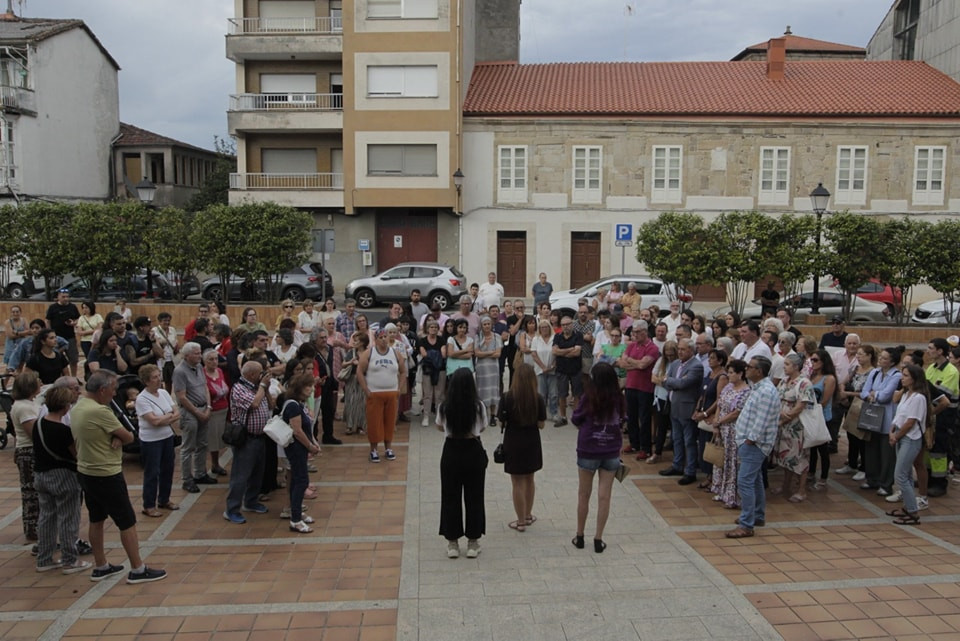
734	259
103	238
898	257
42	244
215	189
219	238
849	253
790	251
939	255
673	248
170	247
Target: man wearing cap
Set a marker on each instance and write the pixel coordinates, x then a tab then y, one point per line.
466	313
638	360
62	317
836	337
146	349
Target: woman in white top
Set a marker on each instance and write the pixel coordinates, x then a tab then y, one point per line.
23	415
308	318
157	415
462	417
906	434
329	310
545	365
383	376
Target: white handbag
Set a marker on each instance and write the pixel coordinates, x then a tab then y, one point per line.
815	430
279	431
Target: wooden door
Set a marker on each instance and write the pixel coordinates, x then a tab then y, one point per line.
512	262
405	235
584	257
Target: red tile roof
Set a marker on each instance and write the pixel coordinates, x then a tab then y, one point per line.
829	88
131	136
796	44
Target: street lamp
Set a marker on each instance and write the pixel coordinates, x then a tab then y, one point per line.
146	191
458	183
819	198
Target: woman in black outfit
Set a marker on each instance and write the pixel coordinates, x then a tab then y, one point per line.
49	363
462	417
522	413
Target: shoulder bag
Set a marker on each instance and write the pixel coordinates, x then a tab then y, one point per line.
235	434
278	429
815	432
871	415
498	454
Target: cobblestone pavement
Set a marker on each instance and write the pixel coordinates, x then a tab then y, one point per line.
375	569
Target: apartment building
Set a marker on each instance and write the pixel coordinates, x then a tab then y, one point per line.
59	110
557	156
927	30
350	109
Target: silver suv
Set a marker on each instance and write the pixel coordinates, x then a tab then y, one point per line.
438	283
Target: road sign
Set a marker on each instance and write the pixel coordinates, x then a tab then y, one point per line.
624	235
363	244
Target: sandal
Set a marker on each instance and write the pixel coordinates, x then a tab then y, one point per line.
349	431
578	541
531	520
898	512
517	525
300	527
152	511
908	519
797	498
599	546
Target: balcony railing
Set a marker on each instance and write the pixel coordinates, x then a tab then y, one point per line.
286	101
286	181
240	26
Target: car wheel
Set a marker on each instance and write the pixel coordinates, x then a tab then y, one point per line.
296	294
441	299
16	291
213	293
365	299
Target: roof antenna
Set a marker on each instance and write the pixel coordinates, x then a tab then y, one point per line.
788	32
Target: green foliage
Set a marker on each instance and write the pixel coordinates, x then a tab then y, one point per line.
849	252
43	241
215	189
673	248
789	249
898	257
939	255
104	238
733	254
170	247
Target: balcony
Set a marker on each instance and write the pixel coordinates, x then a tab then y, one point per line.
293	190
285	39
283	112
18	100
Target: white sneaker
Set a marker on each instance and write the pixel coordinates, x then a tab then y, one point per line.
859	476
473	549
923	503
893	498
426	419
846	469
883	492
453	549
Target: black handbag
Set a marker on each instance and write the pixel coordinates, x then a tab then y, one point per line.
235	434
498	456
871	417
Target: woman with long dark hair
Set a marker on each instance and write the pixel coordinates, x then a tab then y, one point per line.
906	435
48	362
823	377
598	418
522	414
462	417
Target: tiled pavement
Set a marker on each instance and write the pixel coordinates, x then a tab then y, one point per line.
375	569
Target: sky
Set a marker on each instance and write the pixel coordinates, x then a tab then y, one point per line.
175	79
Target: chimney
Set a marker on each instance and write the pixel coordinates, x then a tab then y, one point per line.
9	16
776	58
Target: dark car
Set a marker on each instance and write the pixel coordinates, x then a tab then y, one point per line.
297	284
112	288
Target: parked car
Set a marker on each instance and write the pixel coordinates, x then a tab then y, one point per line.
936	312
111	288
831	302
438	283
297	284
653	290
877	290
15	284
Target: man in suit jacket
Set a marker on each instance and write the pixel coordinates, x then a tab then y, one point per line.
684	380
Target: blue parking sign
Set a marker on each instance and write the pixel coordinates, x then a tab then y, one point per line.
624	234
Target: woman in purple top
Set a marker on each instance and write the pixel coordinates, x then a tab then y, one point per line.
598	418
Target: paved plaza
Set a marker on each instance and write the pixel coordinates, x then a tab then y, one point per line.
375	569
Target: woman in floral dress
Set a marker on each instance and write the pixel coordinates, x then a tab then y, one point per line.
731	401
796	394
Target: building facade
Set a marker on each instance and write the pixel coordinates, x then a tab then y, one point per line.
351	109
927	30
60	111
551	174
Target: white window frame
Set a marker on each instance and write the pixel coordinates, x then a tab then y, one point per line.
774	194
403	81
402	9
928	181
512	173
403	169
852	162
587	180
667	168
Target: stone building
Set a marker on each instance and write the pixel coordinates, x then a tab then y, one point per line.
558	155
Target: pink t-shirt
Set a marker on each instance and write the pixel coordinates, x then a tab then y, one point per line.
639	379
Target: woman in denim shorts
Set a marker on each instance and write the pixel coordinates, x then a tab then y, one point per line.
598	418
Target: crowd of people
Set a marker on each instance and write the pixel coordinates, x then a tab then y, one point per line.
632	382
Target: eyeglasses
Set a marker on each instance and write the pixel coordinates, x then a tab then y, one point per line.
814	360
749	366
288	306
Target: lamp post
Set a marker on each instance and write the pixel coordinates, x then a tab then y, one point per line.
819	198
458	183
146	192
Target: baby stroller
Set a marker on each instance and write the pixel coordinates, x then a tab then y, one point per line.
127	415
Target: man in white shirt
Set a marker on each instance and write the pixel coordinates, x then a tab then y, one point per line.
750	343
672	320
491	291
